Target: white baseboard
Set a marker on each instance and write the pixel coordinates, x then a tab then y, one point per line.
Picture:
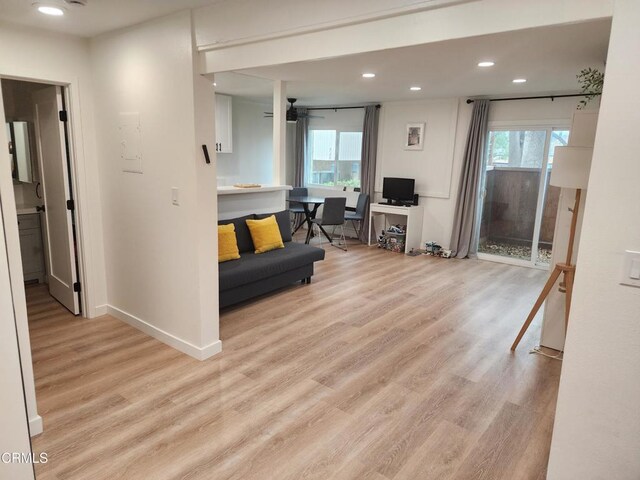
210	350
100	310
199	353
35	425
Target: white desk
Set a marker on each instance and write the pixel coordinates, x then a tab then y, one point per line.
413	219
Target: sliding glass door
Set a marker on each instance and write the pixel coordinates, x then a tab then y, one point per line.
518	207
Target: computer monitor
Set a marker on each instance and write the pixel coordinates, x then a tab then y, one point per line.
398	191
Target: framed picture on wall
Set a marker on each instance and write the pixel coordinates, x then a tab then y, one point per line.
414	136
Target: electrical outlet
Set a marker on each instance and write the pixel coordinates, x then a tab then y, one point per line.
174	196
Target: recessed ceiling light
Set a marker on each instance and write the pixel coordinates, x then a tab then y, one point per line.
519	80
368	75
486	64
415	89
49	10
215	84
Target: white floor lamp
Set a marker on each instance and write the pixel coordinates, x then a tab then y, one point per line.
571	166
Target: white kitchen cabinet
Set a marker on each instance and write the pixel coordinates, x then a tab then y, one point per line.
224	117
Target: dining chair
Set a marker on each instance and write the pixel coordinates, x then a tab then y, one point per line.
297	219
333	216
359	214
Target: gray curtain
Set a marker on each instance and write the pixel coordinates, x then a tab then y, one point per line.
302	130
463	241
369	155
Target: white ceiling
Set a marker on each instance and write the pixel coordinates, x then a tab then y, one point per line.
99	16
549	58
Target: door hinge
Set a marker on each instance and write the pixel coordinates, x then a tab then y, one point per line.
71	205
63	115
76	287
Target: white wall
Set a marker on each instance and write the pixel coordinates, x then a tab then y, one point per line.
597	426
206	208
534	111
13	415
433	168
252	157
157	252
31	54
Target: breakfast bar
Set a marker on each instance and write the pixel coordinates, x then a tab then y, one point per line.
236	201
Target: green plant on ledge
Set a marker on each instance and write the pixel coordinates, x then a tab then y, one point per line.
590	81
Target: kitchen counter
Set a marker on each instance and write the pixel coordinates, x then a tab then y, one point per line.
236	202
230	190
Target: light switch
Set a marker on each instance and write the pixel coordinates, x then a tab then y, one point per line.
174	196
631	269
635	269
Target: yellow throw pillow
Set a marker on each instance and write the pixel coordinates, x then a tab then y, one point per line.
265	234
227	243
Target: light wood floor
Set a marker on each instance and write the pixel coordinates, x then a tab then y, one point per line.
385	367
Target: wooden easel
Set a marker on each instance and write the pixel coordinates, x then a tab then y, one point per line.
560	268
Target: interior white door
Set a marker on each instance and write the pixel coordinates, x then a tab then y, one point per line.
54	172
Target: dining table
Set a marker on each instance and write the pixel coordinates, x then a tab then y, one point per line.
310	205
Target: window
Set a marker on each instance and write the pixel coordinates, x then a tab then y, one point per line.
516	148
559	138
334	158
523	148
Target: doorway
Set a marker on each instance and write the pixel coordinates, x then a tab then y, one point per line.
518	206
40	153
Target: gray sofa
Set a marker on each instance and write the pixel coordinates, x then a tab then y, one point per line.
254	275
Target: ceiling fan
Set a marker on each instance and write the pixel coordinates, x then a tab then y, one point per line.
292	112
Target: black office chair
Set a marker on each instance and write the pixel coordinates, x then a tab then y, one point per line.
332	216
358	215
297	220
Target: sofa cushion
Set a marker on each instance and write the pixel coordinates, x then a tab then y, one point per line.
284	223
265	234
251	267
242	232
227	243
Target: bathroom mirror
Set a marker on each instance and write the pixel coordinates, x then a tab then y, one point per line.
18	134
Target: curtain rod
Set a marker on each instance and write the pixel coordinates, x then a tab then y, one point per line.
339	108
552	97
